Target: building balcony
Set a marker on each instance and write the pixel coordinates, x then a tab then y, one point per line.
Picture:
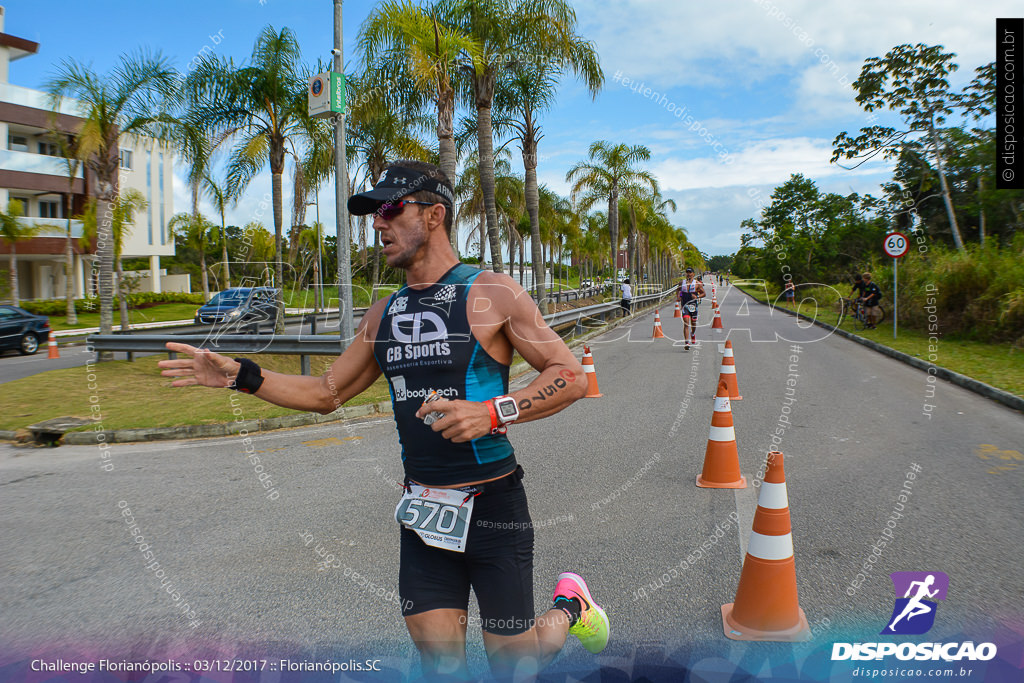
54	227
36	99
27	162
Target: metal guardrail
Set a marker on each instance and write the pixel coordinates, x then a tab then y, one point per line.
306	345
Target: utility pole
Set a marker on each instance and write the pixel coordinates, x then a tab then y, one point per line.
344	240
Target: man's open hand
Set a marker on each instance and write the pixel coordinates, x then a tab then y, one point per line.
203	367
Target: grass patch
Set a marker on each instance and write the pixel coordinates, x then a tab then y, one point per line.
134	395
149	314
1000	365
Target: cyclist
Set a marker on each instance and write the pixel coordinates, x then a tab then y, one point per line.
627	297
690	291
858	287
452	328
870	299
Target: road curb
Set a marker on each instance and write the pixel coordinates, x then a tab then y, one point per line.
90	438
987	390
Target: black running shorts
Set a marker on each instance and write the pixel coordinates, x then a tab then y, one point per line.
497	563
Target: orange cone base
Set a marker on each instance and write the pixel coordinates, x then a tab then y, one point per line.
597	395
740	483
799	633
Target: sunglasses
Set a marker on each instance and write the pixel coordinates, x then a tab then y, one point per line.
391	210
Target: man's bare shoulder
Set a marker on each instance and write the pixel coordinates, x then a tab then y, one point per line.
371	319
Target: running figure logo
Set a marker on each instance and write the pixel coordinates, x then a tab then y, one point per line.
914	613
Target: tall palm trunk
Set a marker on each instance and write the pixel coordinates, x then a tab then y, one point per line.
69	267
533	209
484	89
14	276
105	248
276	171
202	267
511	252
522	259
613	231
122	296
446	144
224	251
376	266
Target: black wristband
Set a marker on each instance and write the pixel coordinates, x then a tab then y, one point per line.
249	378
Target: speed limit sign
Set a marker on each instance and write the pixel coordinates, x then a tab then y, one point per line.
895	244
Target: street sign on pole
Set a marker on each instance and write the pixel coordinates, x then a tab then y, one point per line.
326	94
895	245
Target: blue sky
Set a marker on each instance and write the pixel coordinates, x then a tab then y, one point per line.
749	91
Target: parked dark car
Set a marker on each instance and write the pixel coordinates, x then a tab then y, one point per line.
239	305
22	330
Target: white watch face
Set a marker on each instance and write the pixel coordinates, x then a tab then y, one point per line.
507	409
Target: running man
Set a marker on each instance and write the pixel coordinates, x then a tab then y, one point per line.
914	606
690	291
448	334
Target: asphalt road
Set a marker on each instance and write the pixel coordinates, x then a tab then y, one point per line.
611	486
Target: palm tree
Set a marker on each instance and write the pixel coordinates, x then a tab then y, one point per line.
133	99
13	231
542	29
422	51
263	107
198	233
531	89
609	172
123	211
221	199
382	127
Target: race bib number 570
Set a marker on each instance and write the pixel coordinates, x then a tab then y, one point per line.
438	516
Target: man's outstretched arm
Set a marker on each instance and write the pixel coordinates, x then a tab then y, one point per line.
352	373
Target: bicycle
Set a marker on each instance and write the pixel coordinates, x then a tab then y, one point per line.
857	311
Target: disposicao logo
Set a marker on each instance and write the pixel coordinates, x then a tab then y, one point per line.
914	614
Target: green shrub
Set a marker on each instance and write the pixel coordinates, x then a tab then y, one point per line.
57	307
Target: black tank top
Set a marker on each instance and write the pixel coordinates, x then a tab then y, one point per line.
424	342
687	291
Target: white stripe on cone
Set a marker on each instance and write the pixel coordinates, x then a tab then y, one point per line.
722	434
728	369
773	496
728	352
770	547
722	404
588	368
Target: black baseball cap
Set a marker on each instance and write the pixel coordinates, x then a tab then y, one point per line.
397	182
689	270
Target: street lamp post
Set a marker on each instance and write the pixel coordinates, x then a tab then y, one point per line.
345	322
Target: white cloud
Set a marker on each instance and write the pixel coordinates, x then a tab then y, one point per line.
762	163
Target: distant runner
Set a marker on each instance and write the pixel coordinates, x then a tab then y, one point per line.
690	292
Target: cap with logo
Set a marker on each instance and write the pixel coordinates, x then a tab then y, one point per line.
395	183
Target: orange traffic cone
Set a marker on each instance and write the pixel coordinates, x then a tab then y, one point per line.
679	311
54	352
588	370
658	334
716	324
721	459
728	372
766	605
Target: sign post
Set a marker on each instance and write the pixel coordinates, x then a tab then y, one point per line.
895	245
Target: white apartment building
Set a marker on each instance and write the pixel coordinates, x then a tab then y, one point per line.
32	170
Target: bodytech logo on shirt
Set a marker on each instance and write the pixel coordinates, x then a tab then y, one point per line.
402	393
